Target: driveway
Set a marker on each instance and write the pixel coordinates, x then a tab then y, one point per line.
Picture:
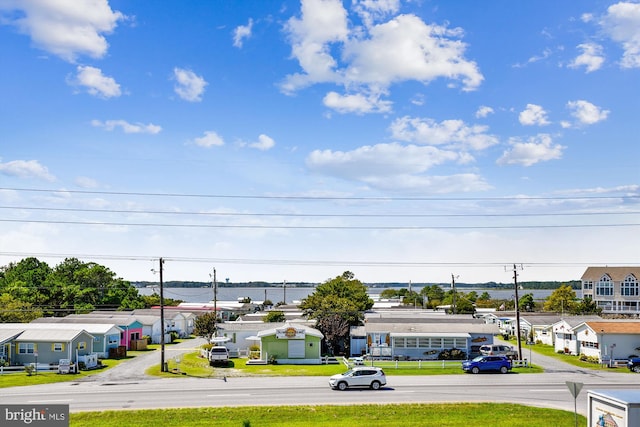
133	369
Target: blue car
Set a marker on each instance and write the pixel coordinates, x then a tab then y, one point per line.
500	364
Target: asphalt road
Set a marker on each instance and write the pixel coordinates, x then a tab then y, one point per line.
126	387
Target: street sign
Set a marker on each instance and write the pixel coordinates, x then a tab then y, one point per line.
574	388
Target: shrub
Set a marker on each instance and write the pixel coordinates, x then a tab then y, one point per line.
452	354
174	335
147	338
29	369
207	346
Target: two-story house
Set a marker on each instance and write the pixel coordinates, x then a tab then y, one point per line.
616	290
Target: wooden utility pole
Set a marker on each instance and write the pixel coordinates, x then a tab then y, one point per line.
162	364
515	284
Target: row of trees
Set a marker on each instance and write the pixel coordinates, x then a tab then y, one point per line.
31	288
340	303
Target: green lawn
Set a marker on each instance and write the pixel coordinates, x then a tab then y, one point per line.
458	414
193	365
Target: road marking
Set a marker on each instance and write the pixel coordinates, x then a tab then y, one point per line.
228	395
50	400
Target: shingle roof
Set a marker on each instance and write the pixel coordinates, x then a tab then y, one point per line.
618	327
617	274
50	335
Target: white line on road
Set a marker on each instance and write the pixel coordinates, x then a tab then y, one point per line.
227	395
51	400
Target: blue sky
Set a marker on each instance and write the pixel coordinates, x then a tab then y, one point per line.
286	140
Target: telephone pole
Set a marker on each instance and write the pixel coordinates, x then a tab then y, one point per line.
515	284
453	286
162	365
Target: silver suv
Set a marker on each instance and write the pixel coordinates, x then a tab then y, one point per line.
498	350
360	376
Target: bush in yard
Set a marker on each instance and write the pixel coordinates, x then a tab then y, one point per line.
452	354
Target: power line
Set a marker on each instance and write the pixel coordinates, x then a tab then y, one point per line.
294	197
319	227
314	215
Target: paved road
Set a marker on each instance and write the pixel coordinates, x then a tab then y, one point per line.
133	369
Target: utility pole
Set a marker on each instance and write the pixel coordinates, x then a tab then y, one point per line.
162	365
215	300
515	284
284	289
453	285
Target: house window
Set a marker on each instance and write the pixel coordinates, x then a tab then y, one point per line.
26	348
398	342
587	285
588	344
629	287
604	287
58	346
113	339
82	345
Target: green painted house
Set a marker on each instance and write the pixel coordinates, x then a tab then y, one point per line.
291	344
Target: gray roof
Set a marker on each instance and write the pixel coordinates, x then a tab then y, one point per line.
8	334
92	328
440	328
50	335
255	326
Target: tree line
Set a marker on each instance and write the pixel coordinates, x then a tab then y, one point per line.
31	288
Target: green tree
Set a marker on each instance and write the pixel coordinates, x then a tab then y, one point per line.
13	310
562	300
434	295
335	303
25	281
527	303
205	325
76	286
154	300
587	306
274	316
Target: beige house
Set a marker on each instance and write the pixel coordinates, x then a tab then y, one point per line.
616	290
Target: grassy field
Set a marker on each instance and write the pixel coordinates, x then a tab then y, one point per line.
192	365
414	415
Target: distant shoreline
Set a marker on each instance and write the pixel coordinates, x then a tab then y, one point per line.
575	284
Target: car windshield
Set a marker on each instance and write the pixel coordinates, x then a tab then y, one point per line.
349	372
478	359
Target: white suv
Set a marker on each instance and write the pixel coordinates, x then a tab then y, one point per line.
360	376
498	350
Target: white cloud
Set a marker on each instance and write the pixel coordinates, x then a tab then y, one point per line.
264	143
371	59
209	139
86	182
356	103
241	33
587	113
189	86
127	127
533	115
537	149
483	111
374	10
394	166
622	24
591	57
65	28
450	133
26	169
96	83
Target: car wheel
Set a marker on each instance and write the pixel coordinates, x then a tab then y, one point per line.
636	369
475	370
375	385
503	369
342	386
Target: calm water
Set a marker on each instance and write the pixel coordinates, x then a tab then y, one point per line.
297	294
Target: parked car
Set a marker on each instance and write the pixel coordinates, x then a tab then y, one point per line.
218	355
634	364
360	376
498	350
500	364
